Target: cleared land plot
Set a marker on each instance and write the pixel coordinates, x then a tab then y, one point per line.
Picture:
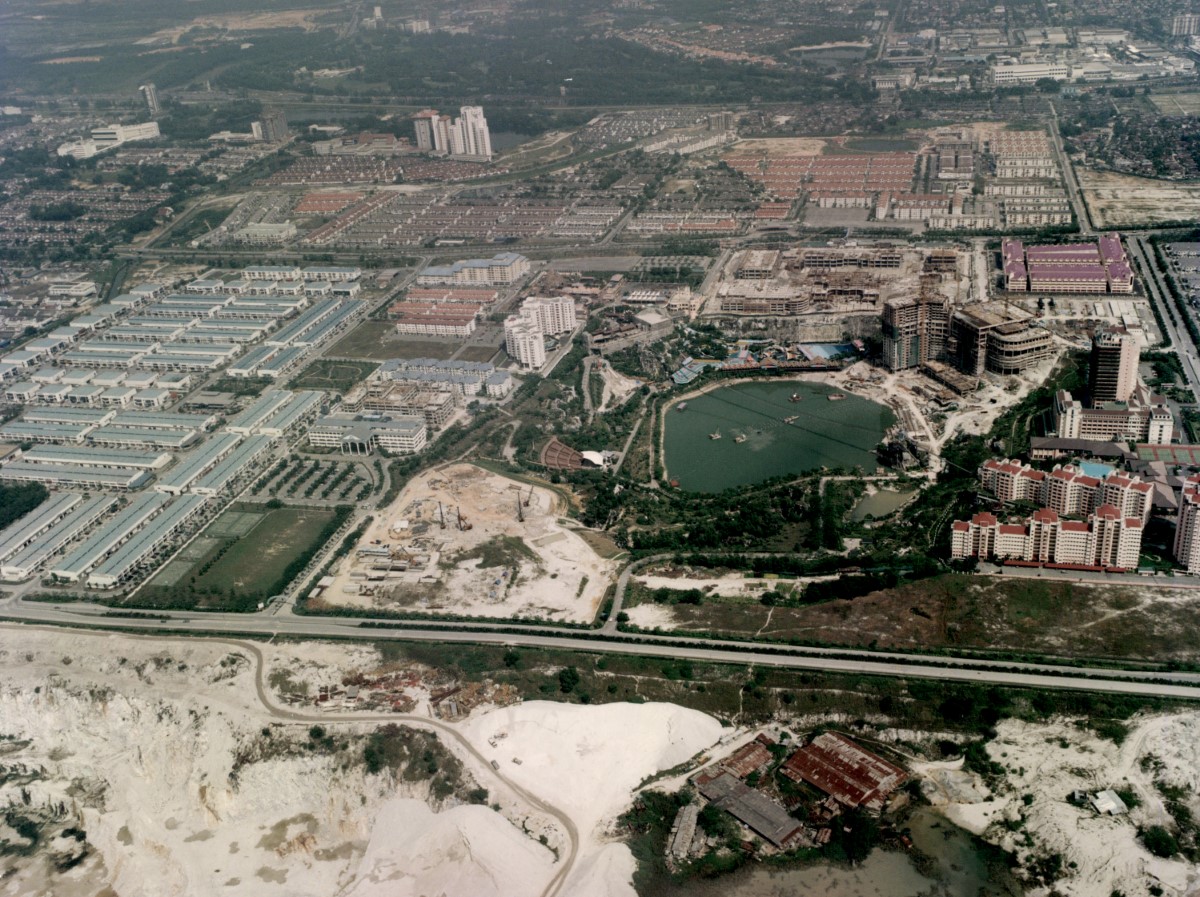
1177	103
1121	200
1130	622
815	216
780	146
377	340
462	540
239	560
340	376
478	353
599	263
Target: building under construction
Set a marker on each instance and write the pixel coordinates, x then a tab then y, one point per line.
915	330
998	338
434	405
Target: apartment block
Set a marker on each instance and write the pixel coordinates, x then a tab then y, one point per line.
1108	540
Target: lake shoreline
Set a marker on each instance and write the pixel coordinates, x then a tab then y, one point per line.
829	427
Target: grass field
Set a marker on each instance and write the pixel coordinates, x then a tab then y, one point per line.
1030	616
1177	103
478	353
377	340
340	376
882	145
238	561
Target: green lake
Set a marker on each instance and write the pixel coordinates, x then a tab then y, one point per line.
959	865
841	433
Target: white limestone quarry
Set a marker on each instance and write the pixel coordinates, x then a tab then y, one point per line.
1101	854
139	741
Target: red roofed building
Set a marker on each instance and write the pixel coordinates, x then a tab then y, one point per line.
1109	540
749	758
845	771
974	538
1010	481
1067	490
1100	267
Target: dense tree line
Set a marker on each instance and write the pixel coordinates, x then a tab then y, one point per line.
17	501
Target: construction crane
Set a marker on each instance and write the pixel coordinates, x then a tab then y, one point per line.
520	509
441	515
529	497
463	523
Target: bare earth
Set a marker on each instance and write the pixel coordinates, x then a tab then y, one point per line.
536	568
266	21
1134	622
780	146
1121	200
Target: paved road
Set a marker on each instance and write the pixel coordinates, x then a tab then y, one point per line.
1069	179
1156	289
1156	581
876	663
418	722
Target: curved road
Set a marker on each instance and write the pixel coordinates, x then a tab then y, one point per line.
420	722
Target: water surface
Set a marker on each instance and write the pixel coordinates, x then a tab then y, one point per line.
826	433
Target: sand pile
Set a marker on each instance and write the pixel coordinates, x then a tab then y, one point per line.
588	761
464	850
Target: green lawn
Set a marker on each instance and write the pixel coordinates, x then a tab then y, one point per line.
243	567
378	341
339	376
478	353
257	559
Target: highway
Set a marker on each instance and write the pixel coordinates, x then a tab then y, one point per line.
1047	675
1157	290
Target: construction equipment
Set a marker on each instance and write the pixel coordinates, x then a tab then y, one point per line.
529	497
520	509
441	515
463	523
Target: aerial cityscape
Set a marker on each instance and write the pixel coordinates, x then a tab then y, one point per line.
635	448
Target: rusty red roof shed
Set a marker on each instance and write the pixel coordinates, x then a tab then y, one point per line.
847	772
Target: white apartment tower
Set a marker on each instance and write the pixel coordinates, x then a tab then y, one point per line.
553	315
473	127
525	342
525	332
467	136
1114	366
1187	530
423	123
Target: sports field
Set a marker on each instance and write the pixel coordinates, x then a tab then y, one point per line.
339	376
239	560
